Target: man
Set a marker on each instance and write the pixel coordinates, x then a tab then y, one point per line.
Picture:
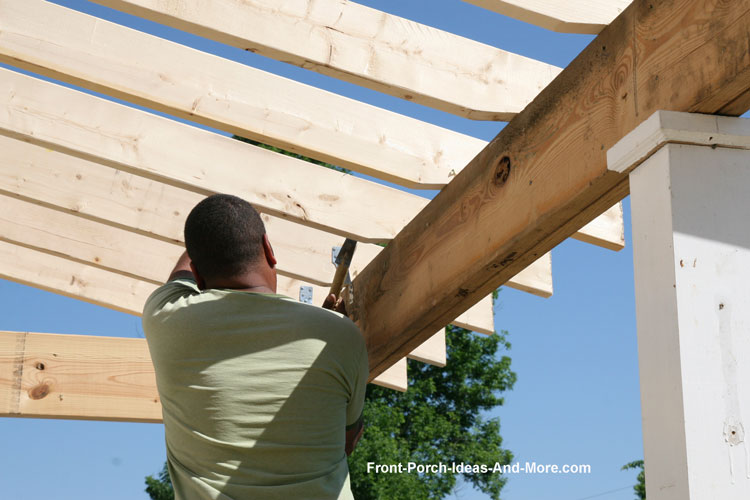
262	396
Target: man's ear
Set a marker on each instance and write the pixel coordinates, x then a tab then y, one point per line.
198	278
268	250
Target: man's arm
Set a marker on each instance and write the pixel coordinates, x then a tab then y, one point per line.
353	433
182	268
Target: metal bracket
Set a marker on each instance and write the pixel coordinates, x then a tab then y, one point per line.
305	294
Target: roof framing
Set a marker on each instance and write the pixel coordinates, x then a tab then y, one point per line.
545	175
365	46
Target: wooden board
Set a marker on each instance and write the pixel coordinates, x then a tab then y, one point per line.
570	16
545	175
367	47
45	375
84	377
105	57
180	155
135	141
146	207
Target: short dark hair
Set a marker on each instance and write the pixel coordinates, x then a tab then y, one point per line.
223	236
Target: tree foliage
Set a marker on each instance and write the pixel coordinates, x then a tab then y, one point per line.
640	486
160	488
437	420
290	153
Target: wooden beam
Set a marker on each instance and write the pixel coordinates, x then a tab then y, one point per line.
61	195
130	202
180	155
84	50
571	16
367	47
42	269
545	175
134	141
85	377
432	350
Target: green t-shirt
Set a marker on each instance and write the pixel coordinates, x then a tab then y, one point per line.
256	390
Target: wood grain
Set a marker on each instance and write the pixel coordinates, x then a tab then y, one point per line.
154	210
545	175
83	50
197	160
570	16
77	377
367	47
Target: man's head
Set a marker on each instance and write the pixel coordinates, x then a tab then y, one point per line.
225	239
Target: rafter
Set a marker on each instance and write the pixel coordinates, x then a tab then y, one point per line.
96	215
545	175
367	47
138	142
132	140
570	16
83	50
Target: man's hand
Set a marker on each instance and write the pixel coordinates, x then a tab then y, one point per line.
335	304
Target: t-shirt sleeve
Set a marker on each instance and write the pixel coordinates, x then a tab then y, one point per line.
357	400
169	294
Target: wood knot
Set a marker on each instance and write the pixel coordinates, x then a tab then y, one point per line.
39	366
40	391
502	171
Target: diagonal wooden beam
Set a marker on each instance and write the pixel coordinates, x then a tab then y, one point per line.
137	142
183	156
95	215
570	16
84	50
367	47
101	194
545	175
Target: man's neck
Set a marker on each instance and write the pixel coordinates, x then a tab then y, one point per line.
250	282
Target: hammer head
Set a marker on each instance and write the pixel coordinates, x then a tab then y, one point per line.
345	254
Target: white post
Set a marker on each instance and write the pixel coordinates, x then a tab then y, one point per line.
690	203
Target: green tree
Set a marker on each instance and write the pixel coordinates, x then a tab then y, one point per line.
437	420
640	486
160	488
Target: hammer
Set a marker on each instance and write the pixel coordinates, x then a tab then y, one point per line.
343	261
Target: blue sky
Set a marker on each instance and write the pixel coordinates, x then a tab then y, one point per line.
576	400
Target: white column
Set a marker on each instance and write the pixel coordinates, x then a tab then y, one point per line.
690	203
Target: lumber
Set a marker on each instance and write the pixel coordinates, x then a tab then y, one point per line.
101	217
84	50
44	270
146	207
545	175
87	377
129	254
365	46
571	16
134	141
180	155
84	377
